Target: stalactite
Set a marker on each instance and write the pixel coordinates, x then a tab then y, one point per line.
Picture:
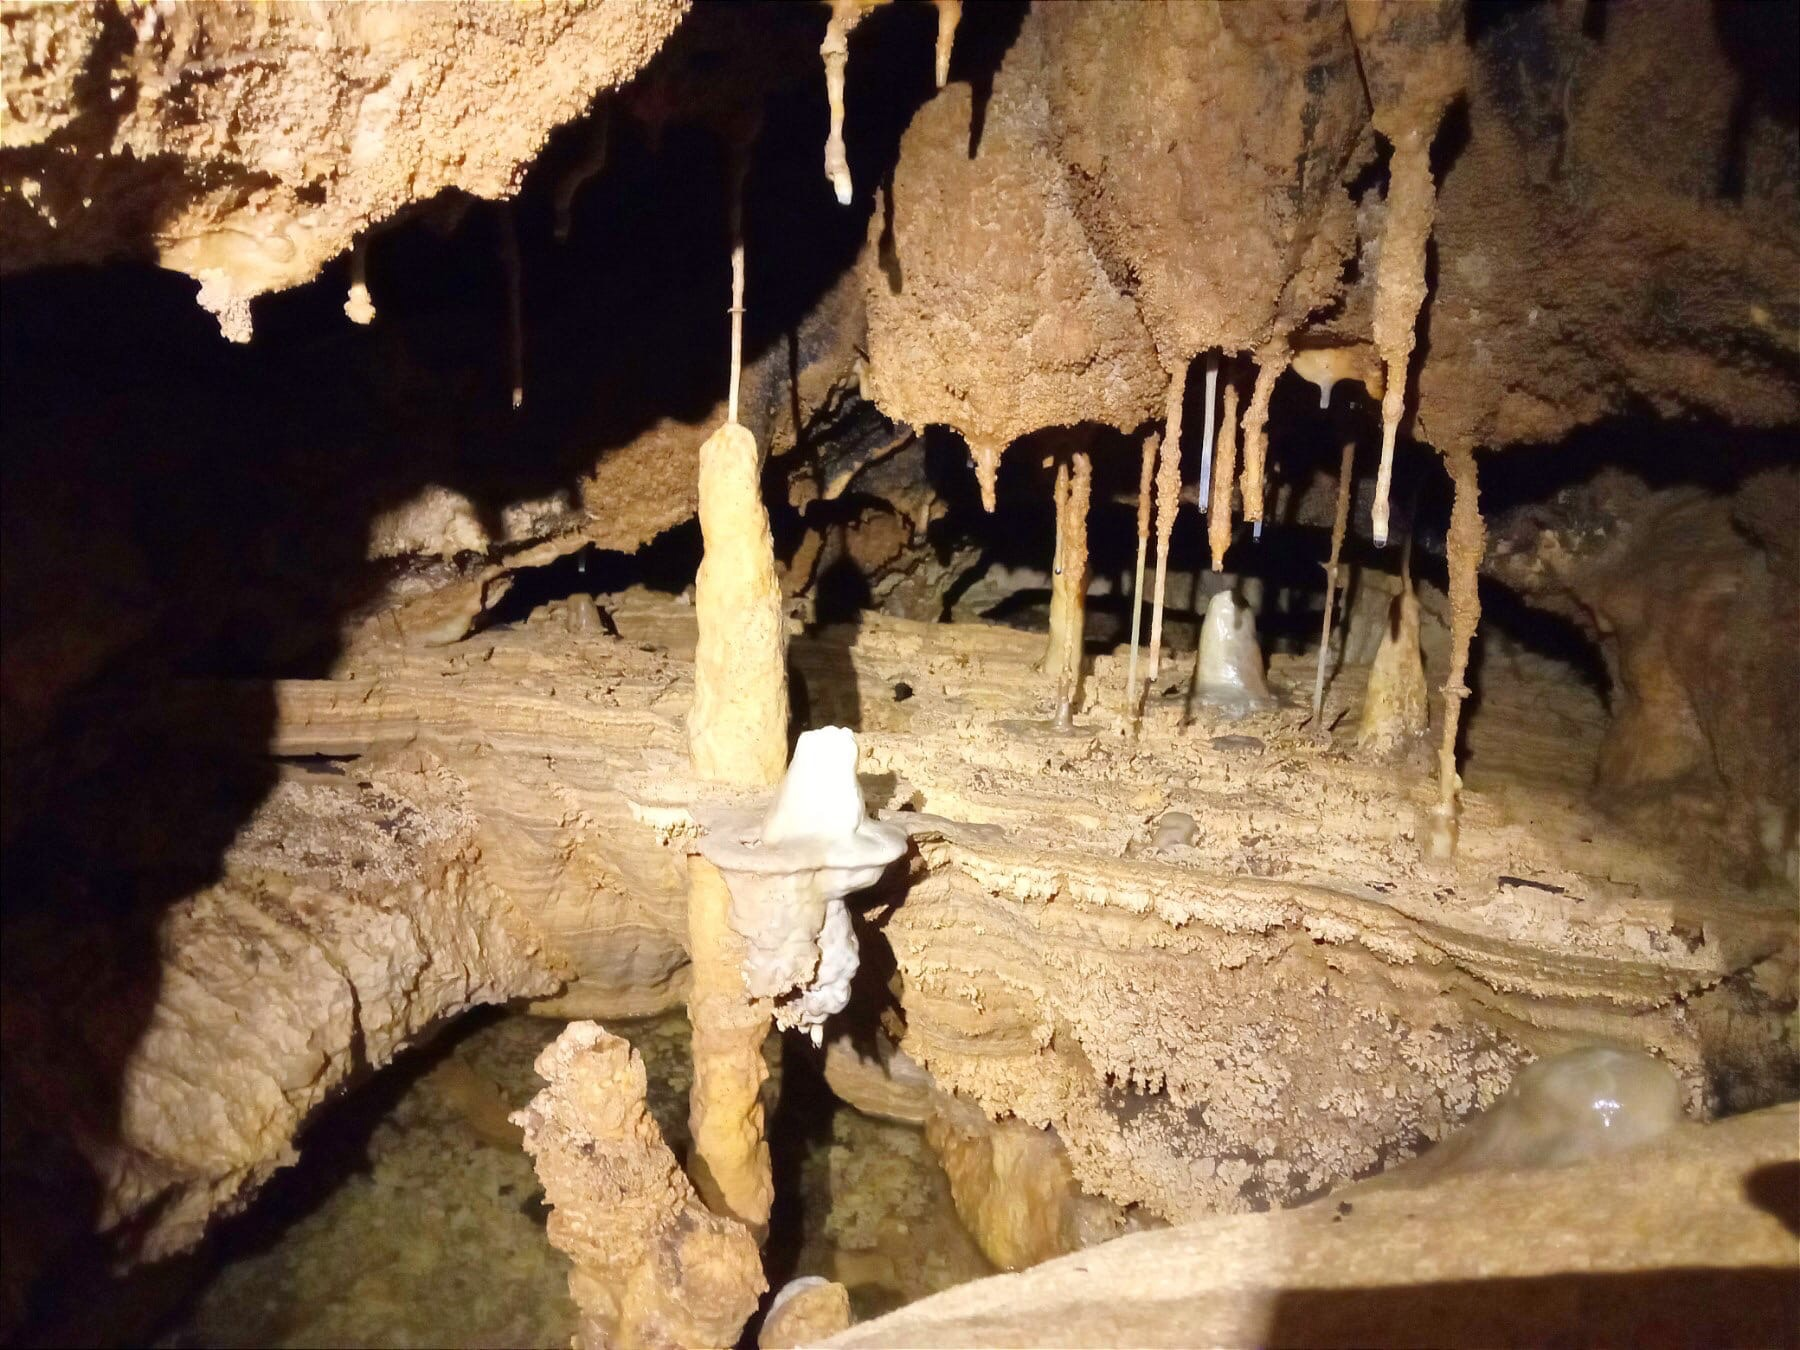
592	162
515	303
1340	519
1465	544
1218	518
1206	435
835	49
1145	472
1400	290
949	14
1071	583
986	455
1270	362
359	307
1168	500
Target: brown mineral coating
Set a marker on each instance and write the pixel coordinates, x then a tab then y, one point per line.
652	1266
992	315
1587	262
1211	141
1690	1235
259	140
1694	600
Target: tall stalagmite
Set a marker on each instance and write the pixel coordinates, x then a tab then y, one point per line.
1068	587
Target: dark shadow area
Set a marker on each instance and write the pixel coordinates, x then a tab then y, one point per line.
1775	1189
1755	1306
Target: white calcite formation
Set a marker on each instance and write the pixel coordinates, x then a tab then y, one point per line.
789	871
1228	670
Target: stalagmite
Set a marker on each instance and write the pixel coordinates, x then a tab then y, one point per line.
515	305
1340	519
1206	432
1395	707
358	306
1218	518
1145	471
788	869
737	734
835	49
1228	663
1068	594
652	1267
1466	542
1168	500
1270	362
949	14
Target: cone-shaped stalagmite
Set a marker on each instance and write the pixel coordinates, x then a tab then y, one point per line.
1395	708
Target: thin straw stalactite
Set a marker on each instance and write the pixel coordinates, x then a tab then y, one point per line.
1338	522
1146	471
1168	499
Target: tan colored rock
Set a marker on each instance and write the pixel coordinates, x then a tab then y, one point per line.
352	914
652	1265
1691	1237
805	1312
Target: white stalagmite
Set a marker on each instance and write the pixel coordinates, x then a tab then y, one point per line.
788	872
1228	666
1168	501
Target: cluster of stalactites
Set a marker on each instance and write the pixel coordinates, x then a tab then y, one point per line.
835	51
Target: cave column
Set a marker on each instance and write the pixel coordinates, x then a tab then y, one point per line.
1068	583
737	735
